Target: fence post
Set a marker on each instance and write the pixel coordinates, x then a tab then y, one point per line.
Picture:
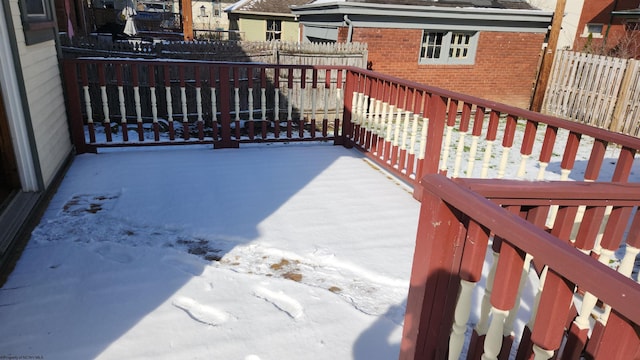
623	97
225	111
74	111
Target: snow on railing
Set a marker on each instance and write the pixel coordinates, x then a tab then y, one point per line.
575	304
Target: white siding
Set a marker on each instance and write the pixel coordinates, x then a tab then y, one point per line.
45	98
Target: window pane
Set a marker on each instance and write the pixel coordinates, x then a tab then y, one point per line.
36	7
460	44
431	45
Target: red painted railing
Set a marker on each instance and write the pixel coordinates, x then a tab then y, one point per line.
117	102
413	129
582	304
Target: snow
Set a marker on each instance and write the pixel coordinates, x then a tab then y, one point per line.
264	252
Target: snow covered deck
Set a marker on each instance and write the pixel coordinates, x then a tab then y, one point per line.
265	252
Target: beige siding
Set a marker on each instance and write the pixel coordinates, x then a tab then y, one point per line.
290	31
45	98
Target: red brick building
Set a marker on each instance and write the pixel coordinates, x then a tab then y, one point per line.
489	49
609	27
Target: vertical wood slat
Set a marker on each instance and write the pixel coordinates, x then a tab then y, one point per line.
135	75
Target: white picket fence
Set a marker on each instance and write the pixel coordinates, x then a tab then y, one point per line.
595	90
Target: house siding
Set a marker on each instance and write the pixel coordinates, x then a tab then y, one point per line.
396	51
45	99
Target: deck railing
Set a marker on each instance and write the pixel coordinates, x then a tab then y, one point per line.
120	102
580	305
414	131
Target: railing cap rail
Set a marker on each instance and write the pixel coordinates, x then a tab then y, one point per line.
566	193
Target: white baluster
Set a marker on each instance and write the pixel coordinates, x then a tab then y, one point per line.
214	105
397	126
513	313
199	103
627	262
459	152
487	159
183	103
445	153
423	139
493	340
536	300
87	104
542	170
169	105
136	101
472	154
123	107
523	166
414	134
504	161
154	104
377	128
564	174
461	316
105	103
485	305
405	130
390	117
383	120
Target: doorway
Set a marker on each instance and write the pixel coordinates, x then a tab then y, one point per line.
9	178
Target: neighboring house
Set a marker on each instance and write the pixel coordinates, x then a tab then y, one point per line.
570	20
209	15
489	49
260	20
609	27
35	143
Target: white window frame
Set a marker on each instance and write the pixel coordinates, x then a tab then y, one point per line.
588	30
446	47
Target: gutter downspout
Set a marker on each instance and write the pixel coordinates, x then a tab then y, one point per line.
350	24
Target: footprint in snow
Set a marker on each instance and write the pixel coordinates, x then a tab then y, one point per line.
280	300
199	312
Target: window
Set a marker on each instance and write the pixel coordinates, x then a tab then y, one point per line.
274	29
448	47
203	11
593	30
37	20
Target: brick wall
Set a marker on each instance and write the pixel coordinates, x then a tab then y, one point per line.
504	70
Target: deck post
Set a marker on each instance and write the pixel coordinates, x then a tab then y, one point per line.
225	111
347	114
74	111
434	282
